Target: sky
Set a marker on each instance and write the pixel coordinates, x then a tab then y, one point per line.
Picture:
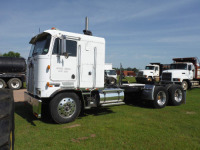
137	32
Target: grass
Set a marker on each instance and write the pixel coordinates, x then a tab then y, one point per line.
129	79
114	127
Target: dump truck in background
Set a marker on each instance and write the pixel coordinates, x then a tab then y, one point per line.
12	72
151	73
184	71
110	74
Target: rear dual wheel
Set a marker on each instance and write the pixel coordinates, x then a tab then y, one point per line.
14	83
176	95
160	97
2	84
172	93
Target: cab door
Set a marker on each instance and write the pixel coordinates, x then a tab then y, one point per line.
156	71
64	62
190	72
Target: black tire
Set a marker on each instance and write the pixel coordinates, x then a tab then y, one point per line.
160	97
176	95
184	85
168	86
2	84
65	107
14	83
112	81
6	120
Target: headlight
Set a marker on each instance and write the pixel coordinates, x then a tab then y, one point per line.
176	79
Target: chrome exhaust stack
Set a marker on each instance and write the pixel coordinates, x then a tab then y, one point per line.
86	31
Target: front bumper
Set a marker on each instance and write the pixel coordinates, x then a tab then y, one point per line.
35	103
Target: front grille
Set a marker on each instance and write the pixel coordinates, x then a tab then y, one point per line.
166	76
31	80
140	74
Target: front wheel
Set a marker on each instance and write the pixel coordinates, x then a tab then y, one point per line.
184	85
160	97
65	107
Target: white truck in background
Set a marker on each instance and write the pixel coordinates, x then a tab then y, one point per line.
152	72
65	71
110	74
184	71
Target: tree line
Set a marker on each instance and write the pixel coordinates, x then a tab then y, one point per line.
11	54
128	69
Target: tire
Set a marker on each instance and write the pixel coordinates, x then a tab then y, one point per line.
160	97
14	83
6	120
65	107
176	95
168	86
2	84
112	81
184	85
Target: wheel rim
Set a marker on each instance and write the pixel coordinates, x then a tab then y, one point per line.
178	95
161	98
1	85
113	81
15	84
184	85
66	107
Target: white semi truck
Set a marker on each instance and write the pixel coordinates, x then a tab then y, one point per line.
184	71
66	72
151	73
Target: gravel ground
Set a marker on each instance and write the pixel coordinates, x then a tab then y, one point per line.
19	95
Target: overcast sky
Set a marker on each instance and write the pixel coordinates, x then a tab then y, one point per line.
137	32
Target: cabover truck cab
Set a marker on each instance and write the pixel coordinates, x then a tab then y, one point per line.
66	72
151	73
184	71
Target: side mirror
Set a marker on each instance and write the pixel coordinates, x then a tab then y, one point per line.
66	54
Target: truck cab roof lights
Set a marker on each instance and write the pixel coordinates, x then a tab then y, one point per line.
53	28
71	37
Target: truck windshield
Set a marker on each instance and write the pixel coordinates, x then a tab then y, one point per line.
149	68
178	66
41	45
111	72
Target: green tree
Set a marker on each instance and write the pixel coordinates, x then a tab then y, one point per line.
12	54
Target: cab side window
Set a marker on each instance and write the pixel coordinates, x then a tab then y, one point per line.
189	67
70	47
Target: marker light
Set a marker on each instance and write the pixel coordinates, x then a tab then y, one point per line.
48	84
53	28
48	67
